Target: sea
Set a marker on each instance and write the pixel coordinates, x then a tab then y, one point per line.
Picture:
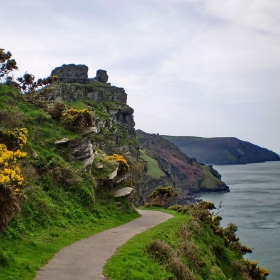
253	204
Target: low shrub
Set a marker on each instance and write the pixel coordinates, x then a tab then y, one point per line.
161	197
56	111
11	180
123	165
164	254
74	119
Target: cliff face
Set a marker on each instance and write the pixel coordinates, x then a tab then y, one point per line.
113	118
158	162
187	175
222	150
95	91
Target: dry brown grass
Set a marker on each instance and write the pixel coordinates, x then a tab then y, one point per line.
164	254
12	120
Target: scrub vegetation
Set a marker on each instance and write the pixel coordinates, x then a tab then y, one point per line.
192	245
47	201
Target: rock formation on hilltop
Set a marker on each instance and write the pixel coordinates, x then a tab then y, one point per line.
114	133
101	76
71	73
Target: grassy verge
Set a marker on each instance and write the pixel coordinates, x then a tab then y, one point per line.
22	254
59	202
181	248
132	262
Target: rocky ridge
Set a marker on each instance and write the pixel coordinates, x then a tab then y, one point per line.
114	132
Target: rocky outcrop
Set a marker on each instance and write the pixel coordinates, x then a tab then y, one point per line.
71	73
84	151
101	76
123	192
95	91
113	119
62	141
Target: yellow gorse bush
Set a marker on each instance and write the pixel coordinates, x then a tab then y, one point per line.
9	169
123	165
10	172
75	119
15	139
256	272
11	180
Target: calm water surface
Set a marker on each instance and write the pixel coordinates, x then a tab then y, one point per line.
253	204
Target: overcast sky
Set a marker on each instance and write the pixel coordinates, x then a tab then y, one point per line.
206	68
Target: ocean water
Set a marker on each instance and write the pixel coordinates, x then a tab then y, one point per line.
253	204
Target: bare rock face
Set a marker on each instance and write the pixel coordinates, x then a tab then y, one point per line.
71	73
101	76
83	150
61	141
123	192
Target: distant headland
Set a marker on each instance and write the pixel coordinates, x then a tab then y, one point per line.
222	150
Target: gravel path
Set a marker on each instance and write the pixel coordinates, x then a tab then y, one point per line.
84	260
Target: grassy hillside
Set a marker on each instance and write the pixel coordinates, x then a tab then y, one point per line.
59	202
188	246
152	165
188	176
222	150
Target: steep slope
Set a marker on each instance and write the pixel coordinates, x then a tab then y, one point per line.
222	150
64	186
187	175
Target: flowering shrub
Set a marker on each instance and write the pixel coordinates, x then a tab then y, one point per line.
161	196
11	180
57	110
123	165
256	272
75	119
14	139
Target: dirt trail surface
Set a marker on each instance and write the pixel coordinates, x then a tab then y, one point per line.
84	260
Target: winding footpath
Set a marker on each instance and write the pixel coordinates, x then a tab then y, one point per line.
85	259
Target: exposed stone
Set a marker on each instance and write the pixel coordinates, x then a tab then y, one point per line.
71	73
89	131
61	141
113	175
101	76
87	164
35	155
71	92
123	192
83	150
100	165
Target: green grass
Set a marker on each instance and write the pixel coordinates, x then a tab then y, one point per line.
131	261
25	250
60	202
207	258
210	181
152	166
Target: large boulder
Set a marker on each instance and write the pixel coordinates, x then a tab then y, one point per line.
83	150
71	73
101	76
123	192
